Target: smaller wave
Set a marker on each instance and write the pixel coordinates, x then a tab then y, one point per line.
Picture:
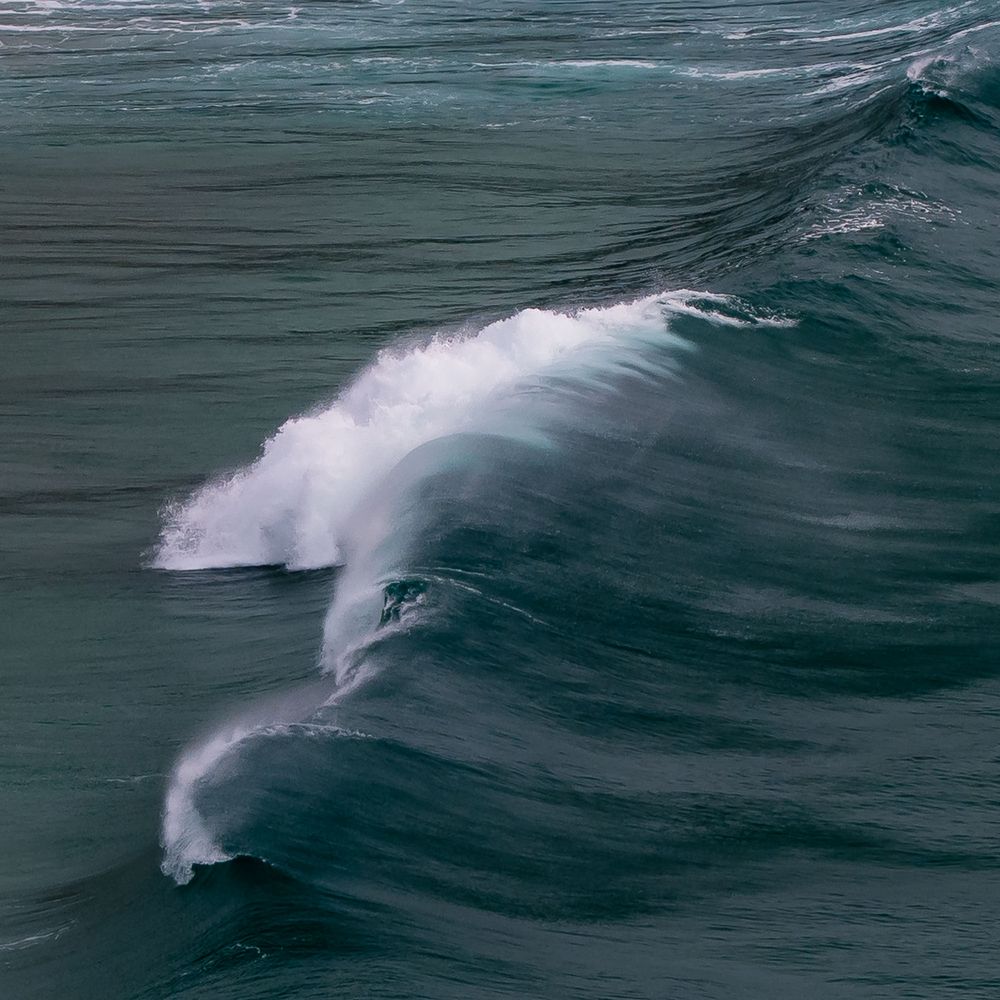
186	838
963	84
936	74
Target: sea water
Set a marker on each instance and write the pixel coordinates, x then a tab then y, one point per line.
499	499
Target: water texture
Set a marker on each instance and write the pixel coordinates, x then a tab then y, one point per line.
499	500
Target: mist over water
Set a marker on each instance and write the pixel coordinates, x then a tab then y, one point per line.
499	500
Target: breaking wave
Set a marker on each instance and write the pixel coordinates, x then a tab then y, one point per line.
320	490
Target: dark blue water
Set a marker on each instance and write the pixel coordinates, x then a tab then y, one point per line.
499	500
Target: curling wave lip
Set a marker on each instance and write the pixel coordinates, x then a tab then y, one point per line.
287	508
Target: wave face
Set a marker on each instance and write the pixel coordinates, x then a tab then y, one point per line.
315	491
583	634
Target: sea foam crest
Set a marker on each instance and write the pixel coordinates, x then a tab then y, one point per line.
289	506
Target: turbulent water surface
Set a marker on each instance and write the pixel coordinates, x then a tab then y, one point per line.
499	499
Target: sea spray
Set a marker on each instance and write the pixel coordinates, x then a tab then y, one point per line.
289	506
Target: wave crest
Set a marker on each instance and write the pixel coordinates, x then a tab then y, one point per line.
289	507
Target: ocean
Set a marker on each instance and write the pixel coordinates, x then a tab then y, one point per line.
499	499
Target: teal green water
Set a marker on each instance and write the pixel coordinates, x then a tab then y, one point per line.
499	500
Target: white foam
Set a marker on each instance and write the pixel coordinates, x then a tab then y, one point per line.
918	67
610	63
861	76
918	25
561	64
186	840
842	219
290	505
703	72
